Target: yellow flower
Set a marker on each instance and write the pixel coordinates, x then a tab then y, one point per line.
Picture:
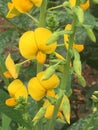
50	109
79	47
35	89
86	5
21	6
38	88
72	3
11	67
12	11
50	83
16	90
37	2
33	44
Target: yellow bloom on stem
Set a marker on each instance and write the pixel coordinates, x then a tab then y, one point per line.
79	47
21	6
11	67
86	5
37	2
33	44
12	11
16	90
50	83
35	89
72	3
38	88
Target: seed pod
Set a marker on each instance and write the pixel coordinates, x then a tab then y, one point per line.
77	66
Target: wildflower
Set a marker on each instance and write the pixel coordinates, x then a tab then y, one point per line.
16	90
72	3
37	88
50	107
86	5
33	44
79	47
11	67
21	6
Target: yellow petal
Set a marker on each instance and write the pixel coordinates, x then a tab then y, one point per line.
51	93
49	111
60	115
41	57
59	56
27	45
21	92
12	11
72	3
23	5
50	83
14	86
37	2
78	47
7	74
36	91
86	5
67	27
11	67
41	36
10	102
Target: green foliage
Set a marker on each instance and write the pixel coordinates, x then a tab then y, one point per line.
90	122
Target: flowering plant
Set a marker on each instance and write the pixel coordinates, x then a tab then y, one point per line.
50	88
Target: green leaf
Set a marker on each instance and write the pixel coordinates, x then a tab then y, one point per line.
66	108
5	122
15	115
90	33
89	122
95	1
79	13
55	36
81	80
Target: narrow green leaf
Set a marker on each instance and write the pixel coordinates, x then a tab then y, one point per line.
79	13
66	108
90	33
5	122
81	80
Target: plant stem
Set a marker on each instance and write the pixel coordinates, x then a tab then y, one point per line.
65	75
34	19
56	7
42	21
43	10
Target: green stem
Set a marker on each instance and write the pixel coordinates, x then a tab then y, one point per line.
42	21
34	19
43	10
65	75
66	72
56	7
56	109
23	62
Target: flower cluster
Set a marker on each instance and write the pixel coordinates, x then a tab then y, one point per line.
21	6
79	47
16	90
84	6
50	107
33	44
38	88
